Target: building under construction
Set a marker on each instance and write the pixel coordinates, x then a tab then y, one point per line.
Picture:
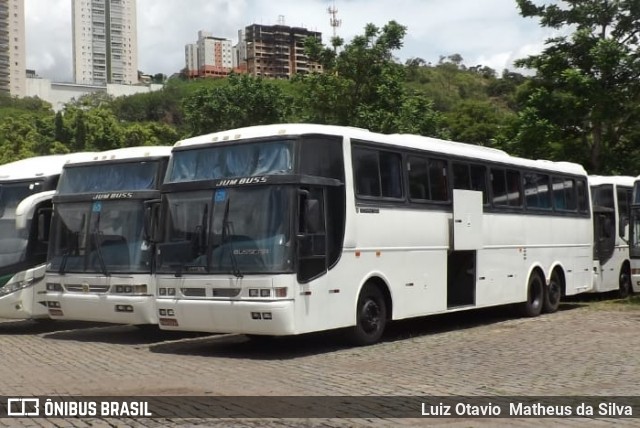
277	51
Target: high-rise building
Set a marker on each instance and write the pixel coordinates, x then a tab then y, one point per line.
12	48
278	50
209	57
105	47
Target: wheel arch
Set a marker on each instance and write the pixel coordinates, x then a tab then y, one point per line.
382	283
558	268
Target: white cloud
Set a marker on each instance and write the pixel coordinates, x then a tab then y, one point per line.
488	32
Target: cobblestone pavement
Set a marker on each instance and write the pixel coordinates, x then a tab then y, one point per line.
588	348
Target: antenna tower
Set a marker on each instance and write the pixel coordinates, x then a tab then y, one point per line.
334	21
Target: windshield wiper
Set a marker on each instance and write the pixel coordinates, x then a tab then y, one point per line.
199	245
95	234
227	227
65	256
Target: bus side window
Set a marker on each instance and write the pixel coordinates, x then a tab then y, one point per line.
583	200
479	180
624	197
461	177
438	180
365	165
498	186
536	190
391	175
514	194
418	178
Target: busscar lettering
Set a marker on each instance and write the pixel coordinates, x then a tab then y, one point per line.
114	195
241	181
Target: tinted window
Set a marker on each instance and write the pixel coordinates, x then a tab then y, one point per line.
583	200
505	185
365	165
391	174
564	194
536	190
438	180
322	157
428	179
461	177
479	180
378	173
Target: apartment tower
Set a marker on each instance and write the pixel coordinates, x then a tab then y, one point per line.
209	57
277	51
12	48
105	48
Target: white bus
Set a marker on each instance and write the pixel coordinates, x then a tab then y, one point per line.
296	228
26	189
99	266
634	244
610	201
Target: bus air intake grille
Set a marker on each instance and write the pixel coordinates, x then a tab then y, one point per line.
194	292
85	288
226	292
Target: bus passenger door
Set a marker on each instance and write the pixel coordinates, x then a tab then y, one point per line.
466	241
604	232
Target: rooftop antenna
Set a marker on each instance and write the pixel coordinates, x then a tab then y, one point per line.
280	19
334	21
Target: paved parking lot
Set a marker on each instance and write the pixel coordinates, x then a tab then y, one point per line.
588	348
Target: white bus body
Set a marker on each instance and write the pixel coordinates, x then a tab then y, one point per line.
26	189
634	231
611	200
289	229
99	265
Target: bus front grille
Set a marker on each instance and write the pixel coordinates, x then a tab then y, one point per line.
86	288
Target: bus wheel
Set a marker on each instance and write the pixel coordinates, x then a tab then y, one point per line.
535	296
625	288
371	316
552	294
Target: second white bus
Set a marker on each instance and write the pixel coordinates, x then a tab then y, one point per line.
611	200
100	261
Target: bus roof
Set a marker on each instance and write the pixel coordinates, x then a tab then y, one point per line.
40	166
619	180
398	140
138	152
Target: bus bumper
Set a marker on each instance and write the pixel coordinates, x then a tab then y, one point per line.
102	308
274	318
21	305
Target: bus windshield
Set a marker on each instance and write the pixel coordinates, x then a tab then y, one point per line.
232	230
241	160
140	175
99	236
13	242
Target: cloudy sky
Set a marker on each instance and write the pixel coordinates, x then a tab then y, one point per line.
488	32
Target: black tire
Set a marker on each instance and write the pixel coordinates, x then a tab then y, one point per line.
371	317
625	289
535	296
552	294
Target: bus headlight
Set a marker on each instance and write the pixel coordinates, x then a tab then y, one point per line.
136	289
11	287
54	286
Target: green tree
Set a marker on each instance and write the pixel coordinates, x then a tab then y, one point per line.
363	85
245	101
585	95
18	139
